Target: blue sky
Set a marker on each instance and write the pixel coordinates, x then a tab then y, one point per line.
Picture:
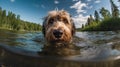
34	10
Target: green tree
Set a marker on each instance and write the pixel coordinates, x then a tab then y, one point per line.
88	21
12	21
91	18
0	15
82	25
0	8
4	13
97	17
114	9
18	17
105	13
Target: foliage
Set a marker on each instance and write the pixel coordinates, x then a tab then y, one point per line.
109	21
104	25
12	21
105	13
110	24
114	9
97	17
89	21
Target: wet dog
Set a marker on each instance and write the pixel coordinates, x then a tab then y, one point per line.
58	29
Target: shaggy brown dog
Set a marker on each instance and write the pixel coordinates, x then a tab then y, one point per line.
58	27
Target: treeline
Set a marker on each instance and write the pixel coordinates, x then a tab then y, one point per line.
11	21
108	21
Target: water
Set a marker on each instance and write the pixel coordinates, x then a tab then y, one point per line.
23	40
96	49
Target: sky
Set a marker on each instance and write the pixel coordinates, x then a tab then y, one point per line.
35	10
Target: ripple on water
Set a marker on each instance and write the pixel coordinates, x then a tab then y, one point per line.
92	44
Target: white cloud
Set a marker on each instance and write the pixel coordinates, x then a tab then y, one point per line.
90	7
97	1
79	7
12	0
79	20
56	2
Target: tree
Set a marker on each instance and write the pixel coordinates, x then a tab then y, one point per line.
88	21
0	8
97	17
4	13
114	9
105	13
12	21
82	25
18	17
0	14
91	18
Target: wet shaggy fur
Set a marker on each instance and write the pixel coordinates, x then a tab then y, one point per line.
58	20
60	45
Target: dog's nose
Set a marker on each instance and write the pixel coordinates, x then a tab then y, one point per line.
57	33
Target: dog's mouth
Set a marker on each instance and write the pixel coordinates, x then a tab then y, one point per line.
60	39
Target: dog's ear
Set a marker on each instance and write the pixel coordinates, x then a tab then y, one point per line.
43	26
73	27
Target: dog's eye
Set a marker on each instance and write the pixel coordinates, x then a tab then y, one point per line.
65	21
51	21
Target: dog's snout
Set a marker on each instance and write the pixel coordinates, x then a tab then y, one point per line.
58	33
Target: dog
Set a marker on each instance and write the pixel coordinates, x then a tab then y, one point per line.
58	27
58	30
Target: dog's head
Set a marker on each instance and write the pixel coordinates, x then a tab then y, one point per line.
58	27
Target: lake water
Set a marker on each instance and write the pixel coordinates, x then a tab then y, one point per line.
96	49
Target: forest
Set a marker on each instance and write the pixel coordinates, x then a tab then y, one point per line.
11	21
103	20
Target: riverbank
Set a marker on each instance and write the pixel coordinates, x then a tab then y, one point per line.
110	24
6	29
12	21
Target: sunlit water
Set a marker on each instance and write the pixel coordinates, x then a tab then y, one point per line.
94	46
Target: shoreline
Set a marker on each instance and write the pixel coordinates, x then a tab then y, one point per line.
18	30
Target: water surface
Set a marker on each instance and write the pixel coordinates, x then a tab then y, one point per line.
97	49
